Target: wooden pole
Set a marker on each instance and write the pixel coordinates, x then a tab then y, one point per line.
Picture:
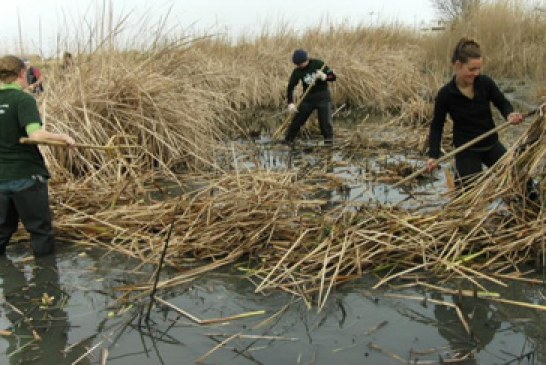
284	124
468	144
54	143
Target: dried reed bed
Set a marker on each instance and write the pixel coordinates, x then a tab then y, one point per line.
291	242
380	67
386	78
177	100
157	98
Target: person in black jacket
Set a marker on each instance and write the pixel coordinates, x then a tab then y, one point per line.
315	74
467	99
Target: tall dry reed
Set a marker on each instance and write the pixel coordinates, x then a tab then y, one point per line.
511	33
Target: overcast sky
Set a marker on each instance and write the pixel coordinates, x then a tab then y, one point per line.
232	16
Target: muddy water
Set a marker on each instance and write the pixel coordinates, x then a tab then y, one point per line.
355	327
361	175
62	309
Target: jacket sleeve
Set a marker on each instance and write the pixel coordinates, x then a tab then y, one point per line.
330	75
292	83
498	98
437	125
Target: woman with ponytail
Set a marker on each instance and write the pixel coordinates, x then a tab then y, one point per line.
467	99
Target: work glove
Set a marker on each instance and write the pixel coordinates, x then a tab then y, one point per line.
292	108
320	75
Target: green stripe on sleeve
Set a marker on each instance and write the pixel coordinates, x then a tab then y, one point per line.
33	127
12	86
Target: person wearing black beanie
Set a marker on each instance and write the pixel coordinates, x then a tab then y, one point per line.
314	74
299	56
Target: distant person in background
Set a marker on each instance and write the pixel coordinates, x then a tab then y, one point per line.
467	99
315	74
68	61
35	78
23	173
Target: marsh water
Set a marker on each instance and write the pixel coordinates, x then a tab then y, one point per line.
357	326
62	309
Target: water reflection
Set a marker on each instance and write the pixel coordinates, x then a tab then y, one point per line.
480	317
341	333
34	305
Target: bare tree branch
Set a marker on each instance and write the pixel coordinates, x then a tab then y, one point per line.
452	10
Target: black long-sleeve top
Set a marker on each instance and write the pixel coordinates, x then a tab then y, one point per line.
307	76
471	117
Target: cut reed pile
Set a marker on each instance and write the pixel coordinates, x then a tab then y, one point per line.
487	231
292	243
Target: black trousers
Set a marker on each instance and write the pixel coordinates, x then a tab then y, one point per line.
324	112
469	162
31	206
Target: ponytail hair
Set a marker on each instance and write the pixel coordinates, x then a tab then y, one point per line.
465	49
10	68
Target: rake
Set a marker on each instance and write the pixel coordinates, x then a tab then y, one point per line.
108	146
281	130
462	148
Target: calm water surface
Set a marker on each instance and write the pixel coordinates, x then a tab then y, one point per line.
355	327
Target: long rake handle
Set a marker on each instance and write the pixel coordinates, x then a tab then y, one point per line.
287	119
25	140
468	144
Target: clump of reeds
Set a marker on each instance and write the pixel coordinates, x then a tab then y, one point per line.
151	97
515	177
510	33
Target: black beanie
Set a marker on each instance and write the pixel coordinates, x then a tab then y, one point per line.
299	56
